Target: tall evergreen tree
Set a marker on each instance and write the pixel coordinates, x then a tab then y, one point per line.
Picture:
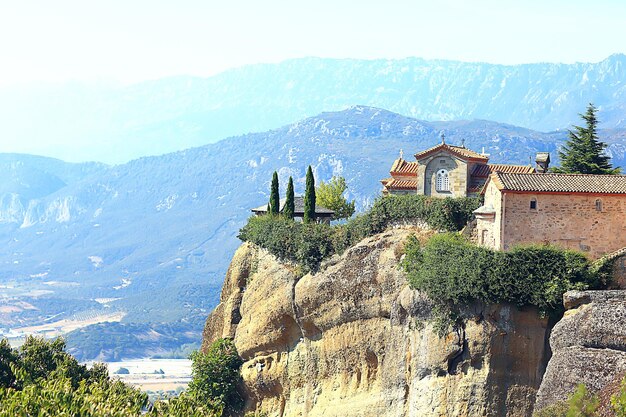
289	208
583	153
274	197
309	197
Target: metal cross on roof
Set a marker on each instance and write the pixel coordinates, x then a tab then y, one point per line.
443	138
401	154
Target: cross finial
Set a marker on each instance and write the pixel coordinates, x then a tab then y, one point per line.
443	138
401	153
463	143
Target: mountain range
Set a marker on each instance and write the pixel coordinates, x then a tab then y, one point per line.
152	238
116	123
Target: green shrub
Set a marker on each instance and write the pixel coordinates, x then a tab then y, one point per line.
453	271
618	401
308	244
579	404
314	245
215	375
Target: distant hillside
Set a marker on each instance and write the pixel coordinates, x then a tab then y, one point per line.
153	237
117	123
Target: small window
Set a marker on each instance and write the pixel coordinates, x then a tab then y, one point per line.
598	205
443	180
442	161
533	204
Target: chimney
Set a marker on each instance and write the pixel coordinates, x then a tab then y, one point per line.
543	161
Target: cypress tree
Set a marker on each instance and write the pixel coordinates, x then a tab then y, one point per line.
583	153
289	208
274	197
309	197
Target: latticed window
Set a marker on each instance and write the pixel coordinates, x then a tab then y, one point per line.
443	180
598	205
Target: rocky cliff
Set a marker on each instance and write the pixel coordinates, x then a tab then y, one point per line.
355	340
588	344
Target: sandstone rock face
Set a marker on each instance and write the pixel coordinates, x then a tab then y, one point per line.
588	345
355	340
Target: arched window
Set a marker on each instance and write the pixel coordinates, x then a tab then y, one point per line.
443	180
598	205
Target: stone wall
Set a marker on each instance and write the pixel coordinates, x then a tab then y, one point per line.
457	171
488	231
568	220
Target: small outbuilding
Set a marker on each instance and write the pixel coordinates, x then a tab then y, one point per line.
322	215
576	211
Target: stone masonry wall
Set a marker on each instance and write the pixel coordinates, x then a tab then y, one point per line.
488	229
568	220
457	171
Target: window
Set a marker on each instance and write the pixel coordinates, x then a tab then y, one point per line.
443	181
533	204
598	205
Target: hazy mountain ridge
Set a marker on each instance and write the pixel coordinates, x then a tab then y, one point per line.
157	233
117	123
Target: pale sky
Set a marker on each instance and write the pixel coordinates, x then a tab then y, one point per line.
135	40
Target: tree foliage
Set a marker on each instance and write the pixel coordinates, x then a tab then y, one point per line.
330	195
274	196
215	375
44	380
289	209
583	153
309	197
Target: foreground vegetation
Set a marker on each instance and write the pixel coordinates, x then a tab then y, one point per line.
308	244
42	379
583	404
455	272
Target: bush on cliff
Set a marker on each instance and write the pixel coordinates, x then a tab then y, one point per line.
309	244
582	403
453	271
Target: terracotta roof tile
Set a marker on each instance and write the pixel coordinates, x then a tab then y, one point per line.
484	170
402	167
561	183
457	150
396	184
481	173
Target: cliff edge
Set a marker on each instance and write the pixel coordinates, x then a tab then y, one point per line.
355	340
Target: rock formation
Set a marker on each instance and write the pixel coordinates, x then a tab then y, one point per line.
355	340
588	345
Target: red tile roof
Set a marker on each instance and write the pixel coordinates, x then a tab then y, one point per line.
484	170
396	184
459	151
561	183
402	167
481	173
